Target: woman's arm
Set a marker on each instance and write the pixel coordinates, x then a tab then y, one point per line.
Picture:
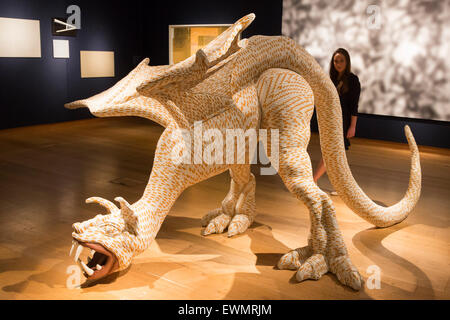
352	129
354	99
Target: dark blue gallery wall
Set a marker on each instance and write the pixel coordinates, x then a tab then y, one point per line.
34	90
161	14
426	132
388	128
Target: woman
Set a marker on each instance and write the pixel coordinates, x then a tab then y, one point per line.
348	86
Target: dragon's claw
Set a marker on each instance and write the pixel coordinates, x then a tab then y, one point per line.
314	266
294	259
216	222
210	215
239	224
346	272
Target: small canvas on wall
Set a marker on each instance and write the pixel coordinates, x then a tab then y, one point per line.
97	64
61	49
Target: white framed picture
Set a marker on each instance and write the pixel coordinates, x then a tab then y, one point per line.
61	49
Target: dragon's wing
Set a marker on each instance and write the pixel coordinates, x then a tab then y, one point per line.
193	69
146	91
123	100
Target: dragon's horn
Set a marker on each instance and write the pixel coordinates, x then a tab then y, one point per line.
110	207
128	214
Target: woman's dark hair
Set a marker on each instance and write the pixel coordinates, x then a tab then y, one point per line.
334	74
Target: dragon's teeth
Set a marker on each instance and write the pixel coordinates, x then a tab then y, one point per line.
71	249
77	254
86	269
99	267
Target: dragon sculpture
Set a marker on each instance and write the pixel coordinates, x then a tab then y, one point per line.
261	82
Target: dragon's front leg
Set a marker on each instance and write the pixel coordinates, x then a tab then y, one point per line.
238	209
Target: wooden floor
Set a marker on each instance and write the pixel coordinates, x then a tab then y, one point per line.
46	173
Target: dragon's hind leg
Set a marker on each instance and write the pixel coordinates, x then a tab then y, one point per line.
238	208
326	251
287	103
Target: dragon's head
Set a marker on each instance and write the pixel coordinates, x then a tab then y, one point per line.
114	238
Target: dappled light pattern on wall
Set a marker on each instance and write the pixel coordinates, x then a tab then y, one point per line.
400	52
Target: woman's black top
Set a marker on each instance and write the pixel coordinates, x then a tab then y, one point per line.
349	103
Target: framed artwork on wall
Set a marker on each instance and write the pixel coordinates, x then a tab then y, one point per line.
97	64
61	49
185	40
61	28
399	50
20	38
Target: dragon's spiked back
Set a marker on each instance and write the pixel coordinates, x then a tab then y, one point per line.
193	70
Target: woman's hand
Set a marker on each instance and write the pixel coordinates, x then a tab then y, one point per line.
351	132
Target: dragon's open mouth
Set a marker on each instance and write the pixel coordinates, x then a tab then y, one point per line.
99	265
